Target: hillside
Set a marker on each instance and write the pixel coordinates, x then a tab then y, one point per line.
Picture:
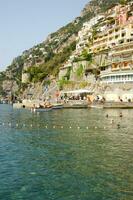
46	58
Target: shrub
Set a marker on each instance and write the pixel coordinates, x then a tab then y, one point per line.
80	71
67	76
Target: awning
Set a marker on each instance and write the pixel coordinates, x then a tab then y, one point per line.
76	91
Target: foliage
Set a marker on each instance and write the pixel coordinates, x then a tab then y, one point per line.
53	61
95	31
107	4
123	2
49	56
83	84
24	86
2	92
36	74
80	71
67	76
62	82
77	59
86	56
46	82
2	76
52	66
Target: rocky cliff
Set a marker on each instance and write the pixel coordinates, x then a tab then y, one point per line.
45	59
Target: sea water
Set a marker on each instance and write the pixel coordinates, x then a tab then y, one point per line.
68	154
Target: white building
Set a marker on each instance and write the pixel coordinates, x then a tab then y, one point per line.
85	34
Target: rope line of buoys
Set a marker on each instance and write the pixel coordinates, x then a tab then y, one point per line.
48	126
56	126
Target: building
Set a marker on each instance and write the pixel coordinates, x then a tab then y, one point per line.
121	68
116	28
109	38
117	41
85	35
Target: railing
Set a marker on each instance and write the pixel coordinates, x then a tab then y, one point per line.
125	68
122	51
116	69
105	72
122	59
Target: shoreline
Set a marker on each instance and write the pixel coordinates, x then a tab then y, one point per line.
82	105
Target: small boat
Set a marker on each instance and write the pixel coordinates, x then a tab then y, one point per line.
77	105
96	106
57	106
42	109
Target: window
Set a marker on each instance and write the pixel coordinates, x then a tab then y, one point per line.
128	77
119	77
121	41
123	34
116	36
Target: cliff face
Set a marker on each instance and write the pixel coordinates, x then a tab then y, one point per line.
97	6
46	58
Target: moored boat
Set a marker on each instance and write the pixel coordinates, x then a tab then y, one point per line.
96	106
42	109
76	105
57	106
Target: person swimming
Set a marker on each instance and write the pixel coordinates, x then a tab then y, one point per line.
121	114
107	116
118	125
112	121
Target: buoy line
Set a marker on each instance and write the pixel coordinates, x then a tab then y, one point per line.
48	126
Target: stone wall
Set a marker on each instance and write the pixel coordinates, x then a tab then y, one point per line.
25	77
62	73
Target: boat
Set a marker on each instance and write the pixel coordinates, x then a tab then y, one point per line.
42	109
76	105
96	106
57	106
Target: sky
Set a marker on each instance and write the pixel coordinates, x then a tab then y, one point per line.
25	23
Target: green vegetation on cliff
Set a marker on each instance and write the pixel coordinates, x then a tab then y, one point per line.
46	58
52	66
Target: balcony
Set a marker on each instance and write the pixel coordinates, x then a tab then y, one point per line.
115	69
105	72
118	77
126	67
123	51
119	60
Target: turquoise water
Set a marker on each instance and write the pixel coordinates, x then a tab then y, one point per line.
66	155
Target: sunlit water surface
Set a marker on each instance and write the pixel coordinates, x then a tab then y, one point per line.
66	155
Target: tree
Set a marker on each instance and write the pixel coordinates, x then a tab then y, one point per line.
123	2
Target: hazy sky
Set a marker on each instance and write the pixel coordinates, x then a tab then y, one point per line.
24	23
